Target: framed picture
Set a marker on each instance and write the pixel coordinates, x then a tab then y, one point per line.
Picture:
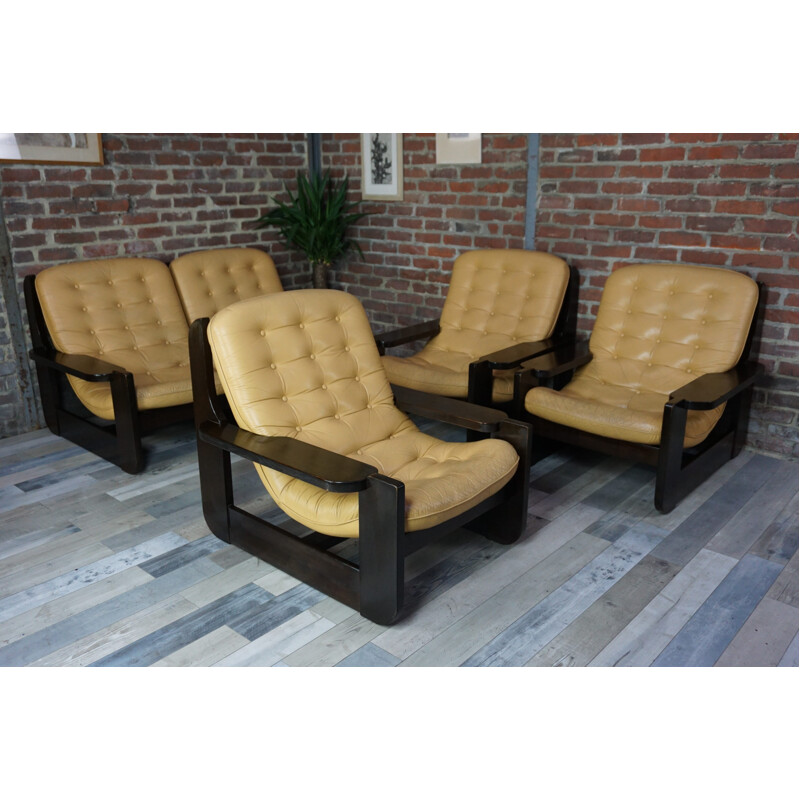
51	148
382	166
458	148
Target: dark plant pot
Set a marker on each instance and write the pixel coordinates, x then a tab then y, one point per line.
319	272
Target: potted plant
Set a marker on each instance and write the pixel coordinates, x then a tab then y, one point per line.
315	221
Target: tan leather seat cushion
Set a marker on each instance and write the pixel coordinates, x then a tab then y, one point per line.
209	280
658	327
497	298
304	364
124	311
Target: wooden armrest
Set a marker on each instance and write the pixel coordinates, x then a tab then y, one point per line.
513	356
560	360
410	333
87	368
447	409
711	390
315	465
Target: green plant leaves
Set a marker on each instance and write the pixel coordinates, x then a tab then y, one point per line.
315	220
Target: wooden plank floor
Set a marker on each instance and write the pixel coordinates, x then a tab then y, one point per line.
100	568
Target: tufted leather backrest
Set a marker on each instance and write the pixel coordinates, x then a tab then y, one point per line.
304	364
661	325
210	280
499	297
124	310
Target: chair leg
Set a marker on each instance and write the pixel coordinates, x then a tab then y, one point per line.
505	523
670	457
130	456
216	488
50	394
742	417
381	549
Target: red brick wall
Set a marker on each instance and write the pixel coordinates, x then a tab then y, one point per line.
409	245
724	200
603	199
157	195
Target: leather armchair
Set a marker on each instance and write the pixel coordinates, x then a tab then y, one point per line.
314	411
498	300
116	330
665	378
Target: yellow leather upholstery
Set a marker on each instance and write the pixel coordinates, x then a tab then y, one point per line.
209	280
304	364
658	327
124	311
497	298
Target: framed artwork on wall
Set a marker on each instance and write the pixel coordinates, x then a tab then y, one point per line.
382	166
458	148
51	148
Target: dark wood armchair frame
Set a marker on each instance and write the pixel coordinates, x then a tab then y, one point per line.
679	470
120	441
481	371
374	586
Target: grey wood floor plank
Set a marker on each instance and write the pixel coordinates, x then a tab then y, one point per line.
28	542
740	533
63	562
227	580
229	610
695	531
579	463
86	622
785	587
710	630
779	541
589	633
205	651
370	655
149	483
552	505
640	642
488	620
282	641
618	490
763	638
182	553
276	611
103	643
434	617
330	647
64	607
11	497
518	643
42	452
790	657
463	591
20	477
61	585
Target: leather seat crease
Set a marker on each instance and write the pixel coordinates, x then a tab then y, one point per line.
658	327
209	280
497	298
304	365
124	311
